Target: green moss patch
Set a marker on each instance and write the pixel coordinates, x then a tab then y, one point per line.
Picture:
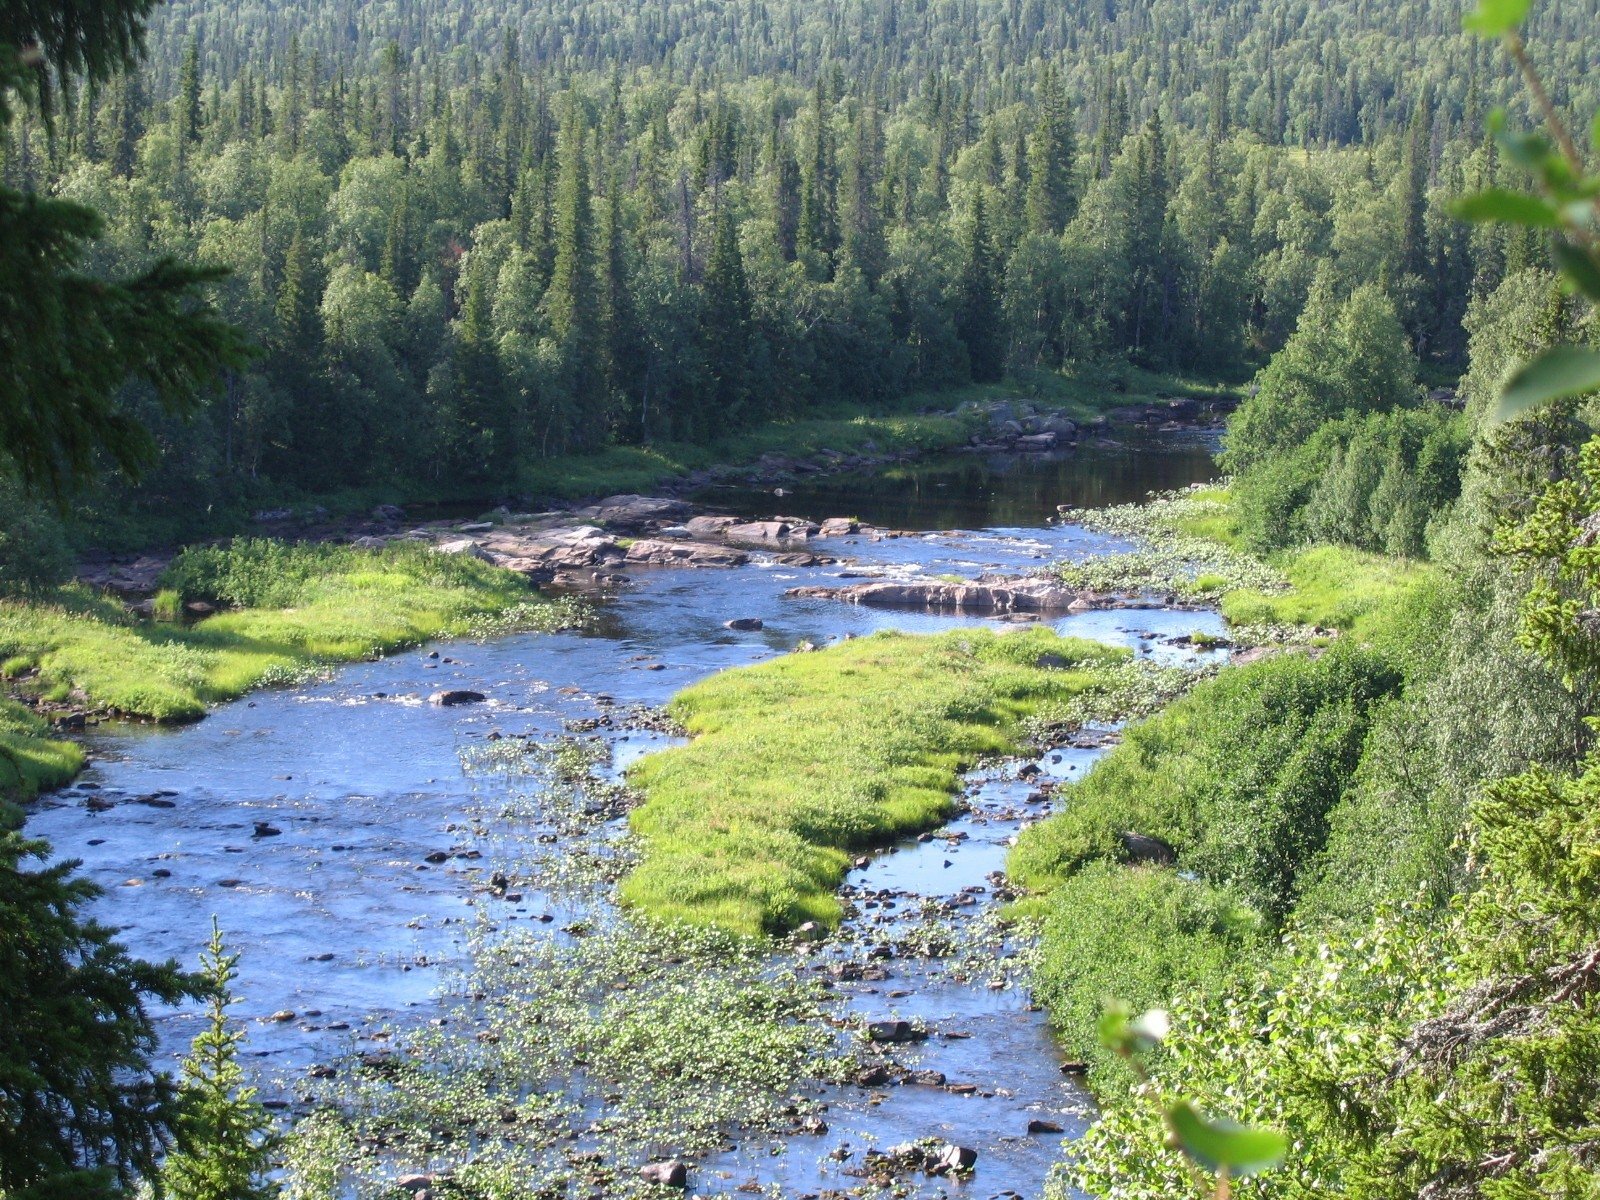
800	761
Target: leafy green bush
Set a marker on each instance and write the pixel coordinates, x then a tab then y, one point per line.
1240	777
1348	355
1373	482
1423	1057
1141	935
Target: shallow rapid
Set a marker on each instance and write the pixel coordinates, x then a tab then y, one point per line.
338	835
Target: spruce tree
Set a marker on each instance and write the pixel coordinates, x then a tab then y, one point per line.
725	324
70	340
1051	149
979	321
224	1135
85	1116
571	305
189	112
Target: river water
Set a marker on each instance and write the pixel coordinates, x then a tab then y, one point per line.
326	826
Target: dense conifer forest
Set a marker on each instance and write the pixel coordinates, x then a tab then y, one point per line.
463	241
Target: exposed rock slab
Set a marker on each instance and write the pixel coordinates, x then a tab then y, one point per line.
989	596
632	511
650	552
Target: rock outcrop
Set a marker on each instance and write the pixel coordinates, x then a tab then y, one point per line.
1027	594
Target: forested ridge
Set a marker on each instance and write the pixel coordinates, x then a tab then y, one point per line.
466	239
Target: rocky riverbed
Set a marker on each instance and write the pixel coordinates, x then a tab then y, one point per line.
373	855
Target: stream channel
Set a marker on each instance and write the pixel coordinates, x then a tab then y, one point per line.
352	916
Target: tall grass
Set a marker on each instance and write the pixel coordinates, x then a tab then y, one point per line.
321	604
30	760
798	762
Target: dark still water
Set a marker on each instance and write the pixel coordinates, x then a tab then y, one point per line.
987	491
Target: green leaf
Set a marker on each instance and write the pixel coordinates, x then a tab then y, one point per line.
1594	130
1579	266
1526	150
1559	372
1496	17
1122	1032
1219	1144
1498	204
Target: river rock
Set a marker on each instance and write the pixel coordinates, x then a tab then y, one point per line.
632	511
894	1031
1033	594
951	1158
125	578
672	1173
838	527
1142	848
707	526
465	546
454	696
265	830
649	552
1037	441
745	624
1037	1125
779	529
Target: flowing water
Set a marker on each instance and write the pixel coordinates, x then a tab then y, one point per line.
335	833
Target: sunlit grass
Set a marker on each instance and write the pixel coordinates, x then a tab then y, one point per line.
798	762
30	760
334	604
1331	587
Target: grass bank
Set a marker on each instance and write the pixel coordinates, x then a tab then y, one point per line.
800	761
1188	546
31	760
291	609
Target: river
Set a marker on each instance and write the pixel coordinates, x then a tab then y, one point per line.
327	826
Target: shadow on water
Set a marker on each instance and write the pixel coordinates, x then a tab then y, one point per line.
986	491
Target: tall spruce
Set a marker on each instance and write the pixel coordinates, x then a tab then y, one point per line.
86	1116
725	324
571	305
1051	196
979	323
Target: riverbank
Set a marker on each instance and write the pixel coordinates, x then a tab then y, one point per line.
1238	810
381	879
253	615
1187	547
912	425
